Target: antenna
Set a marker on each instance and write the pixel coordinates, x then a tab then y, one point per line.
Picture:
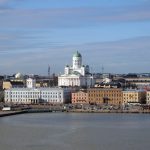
49	74
91	70
49	70
102	69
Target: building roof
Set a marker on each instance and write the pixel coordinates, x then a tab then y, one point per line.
76	73
77	54
17	83
37	89
133	90
104	89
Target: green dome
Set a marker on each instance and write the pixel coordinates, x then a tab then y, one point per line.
77	54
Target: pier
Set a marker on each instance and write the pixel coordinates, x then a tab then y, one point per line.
10	113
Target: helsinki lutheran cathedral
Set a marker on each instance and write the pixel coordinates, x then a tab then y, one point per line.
77	74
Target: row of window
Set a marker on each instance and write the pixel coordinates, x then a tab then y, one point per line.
25	96
101	100
51	96
130	98
34	93
130	94
104	91
79	94
79	98
29	101
103	95
79	101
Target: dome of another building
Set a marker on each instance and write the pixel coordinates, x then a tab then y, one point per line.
18	75
107	80
77	54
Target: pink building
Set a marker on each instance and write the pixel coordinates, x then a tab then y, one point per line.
80	97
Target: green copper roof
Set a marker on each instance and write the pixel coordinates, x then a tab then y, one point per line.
77	54
75	73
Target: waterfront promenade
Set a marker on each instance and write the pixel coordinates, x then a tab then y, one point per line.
72	109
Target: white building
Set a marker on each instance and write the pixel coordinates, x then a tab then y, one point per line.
30	83
77	74
36	95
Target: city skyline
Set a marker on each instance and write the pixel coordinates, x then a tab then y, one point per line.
35	33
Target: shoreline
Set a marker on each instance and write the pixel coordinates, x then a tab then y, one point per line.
109	111
11	113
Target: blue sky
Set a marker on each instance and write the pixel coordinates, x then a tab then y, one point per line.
112	33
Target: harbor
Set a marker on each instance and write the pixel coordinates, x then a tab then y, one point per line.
16	110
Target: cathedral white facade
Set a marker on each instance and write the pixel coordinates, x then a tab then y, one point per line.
77	74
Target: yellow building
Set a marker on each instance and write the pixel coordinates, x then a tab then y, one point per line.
41	84
7	85
105	96
134	96
13	84
148	97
